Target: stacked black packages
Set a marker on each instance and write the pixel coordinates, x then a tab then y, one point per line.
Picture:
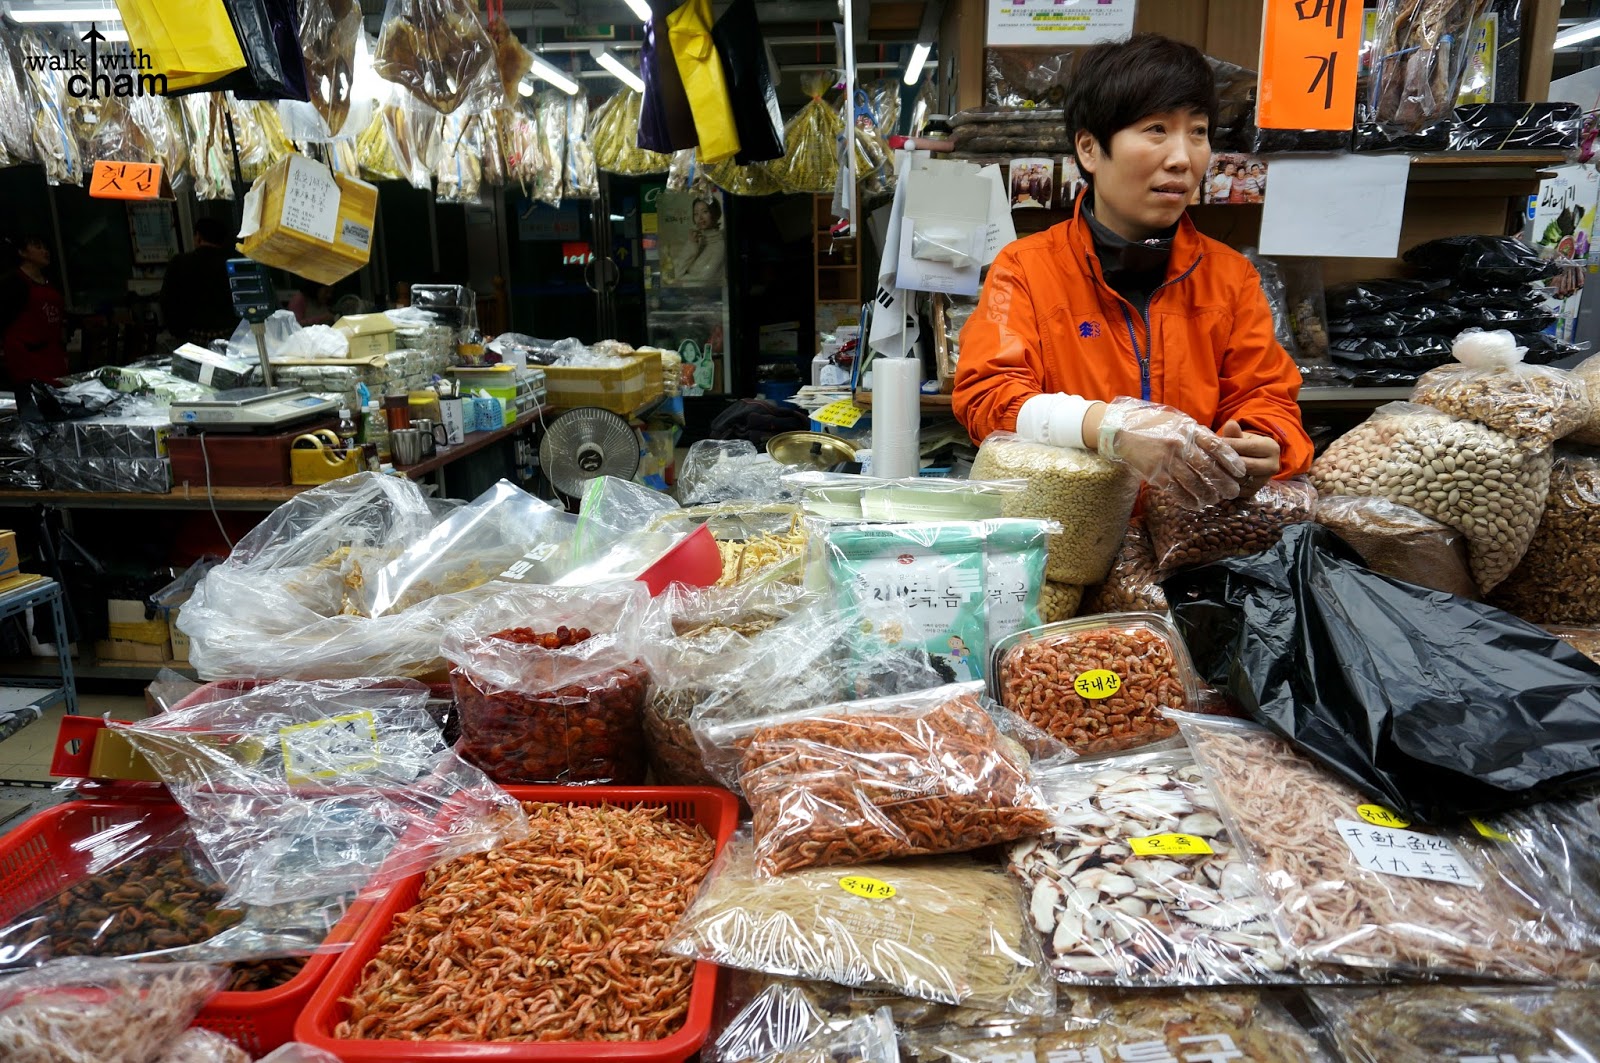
1387	332
1517	127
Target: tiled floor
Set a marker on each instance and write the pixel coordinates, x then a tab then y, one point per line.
26	754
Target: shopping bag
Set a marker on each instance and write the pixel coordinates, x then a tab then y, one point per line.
192	44
755	101
665	122
689	33
268	33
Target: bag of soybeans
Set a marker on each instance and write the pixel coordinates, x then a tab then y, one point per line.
1485	484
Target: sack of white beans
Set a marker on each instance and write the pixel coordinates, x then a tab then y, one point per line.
1481	482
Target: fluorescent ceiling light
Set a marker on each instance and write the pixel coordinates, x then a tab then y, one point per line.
115	36
542	69
641	9
1578	34
525	87
619	69
919	57
27	15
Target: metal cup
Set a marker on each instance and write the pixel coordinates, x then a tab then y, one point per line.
406	445
430	442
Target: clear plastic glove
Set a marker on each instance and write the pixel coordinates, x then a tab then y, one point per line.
1168	447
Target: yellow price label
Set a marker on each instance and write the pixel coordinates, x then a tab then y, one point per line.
1097	683
1379	816
873	889
1489	832
840	414
1170	845
328	749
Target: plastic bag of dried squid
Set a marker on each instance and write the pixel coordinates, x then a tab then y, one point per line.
859	781
711	630
1410	1024
1353	885
1552	850
951	930
1138	882
781	1025
551	682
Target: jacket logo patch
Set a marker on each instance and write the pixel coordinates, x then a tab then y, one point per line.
1089	330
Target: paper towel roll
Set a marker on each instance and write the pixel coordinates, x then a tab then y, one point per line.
896	416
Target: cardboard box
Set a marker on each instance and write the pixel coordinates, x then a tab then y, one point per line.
325	234
115	758
370	335
132	652
621	389
19	581
10	564
180	641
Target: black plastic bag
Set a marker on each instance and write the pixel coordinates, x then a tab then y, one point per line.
71	402
737	35
268	32
666	124
1483	261
1376	295
1435	704
1419	353
1421	316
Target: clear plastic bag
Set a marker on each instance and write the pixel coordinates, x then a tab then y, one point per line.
458	163
1490	385
710	631
523	148
301	791
210	153
551	106
950	930
1413	1024
834	786
512	60
470	547
755	179
440	52
1277	294
1351	890
551	683
1058	602
810	160
1090	497
101	1011
1450	470
1418	59
199	1045
725	470
374	154
614	130
54	145
1587	372
781	1024
1134	583
1399	542
1558	581
1484	261
1097	683
412	129
582	181
330	33
612	509
16	131
1553	849
1137	881
1245	525
295	1052
1026	78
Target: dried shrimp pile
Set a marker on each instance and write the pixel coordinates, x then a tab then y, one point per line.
552	938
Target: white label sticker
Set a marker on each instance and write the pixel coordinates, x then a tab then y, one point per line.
1407	853
252	212
356	235
328	749
310	199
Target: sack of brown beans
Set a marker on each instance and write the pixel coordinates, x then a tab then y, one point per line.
1098	684
1134	582
1399	542
1491	385
1588	371
1248	524
1558	581
1461	473
1089	496
1059	601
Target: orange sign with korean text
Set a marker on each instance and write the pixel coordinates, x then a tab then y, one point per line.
1309	53
125	180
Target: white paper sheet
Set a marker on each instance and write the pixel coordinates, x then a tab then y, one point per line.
1335	206
1001	229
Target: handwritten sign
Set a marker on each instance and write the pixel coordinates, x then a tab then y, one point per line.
310	199
1406	853
125	180
330	748
1310	50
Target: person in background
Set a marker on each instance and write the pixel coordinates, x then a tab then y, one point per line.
1123	330
313	309
196	303
33	317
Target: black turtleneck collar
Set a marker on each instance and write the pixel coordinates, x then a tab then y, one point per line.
1132	269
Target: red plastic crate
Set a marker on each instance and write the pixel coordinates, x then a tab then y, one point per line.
40	857
715	810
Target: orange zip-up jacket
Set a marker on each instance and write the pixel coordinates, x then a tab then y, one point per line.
1048	322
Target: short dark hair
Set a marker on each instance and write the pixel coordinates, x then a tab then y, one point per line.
213	231
1115	85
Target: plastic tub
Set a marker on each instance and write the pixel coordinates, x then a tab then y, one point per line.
42	856
716	810
1097	683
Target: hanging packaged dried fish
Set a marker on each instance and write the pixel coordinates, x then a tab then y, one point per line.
374	155
810	160
413	131
458	169
329	31
614	133
753	180
490	152
1422	49
53	140
257	131
342	157
440	51
582	182
874	158
522	146
16	133
210	154
553	143
104	129
512	61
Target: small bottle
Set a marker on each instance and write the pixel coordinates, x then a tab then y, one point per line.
397	407
347	430
375	429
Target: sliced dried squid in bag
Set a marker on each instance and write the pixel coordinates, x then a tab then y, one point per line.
614	130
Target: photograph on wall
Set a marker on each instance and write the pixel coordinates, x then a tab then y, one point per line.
1235	179
1032	183
689	232
1071	183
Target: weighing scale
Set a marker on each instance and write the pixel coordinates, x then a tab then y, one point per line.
253	410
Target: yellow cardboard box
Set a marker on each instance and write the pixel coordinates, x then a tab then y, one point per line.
10	564
180	641
303	217
370	335
132	652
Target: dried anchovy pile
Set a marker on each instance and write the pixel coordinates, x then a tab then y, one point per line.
858	787
552	938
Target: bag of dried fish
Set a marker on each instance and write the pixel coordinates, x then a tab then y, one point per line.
458	166
951	930
711	632
440	52
861	781
1137	882
614	130
810	160
1352	885
512	60
582	180
329	34
525	156
551	182
210	153
16	131
1421	51
1551	850
374	155
754	179
413	132
1422	1024
54	144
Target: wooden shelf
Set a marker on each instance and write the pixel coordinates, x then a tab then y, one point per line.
1362	397
928	402
91	667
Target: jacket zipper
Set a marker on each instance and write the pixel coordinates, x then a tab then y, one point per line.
1143	358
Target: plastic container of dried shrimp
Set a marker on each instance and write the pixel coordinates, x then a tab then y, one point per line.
715	810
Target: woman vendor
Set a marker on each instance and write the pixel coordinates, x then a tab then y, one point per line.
1124	330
